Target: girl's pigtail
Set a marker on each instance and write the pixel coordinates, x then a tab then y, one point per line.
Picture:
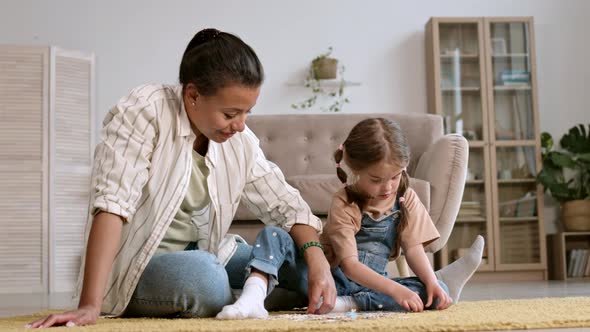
404	184
338	155
353	196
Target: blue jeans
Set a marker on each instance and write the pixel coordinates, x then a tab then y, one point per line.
190	283
193	283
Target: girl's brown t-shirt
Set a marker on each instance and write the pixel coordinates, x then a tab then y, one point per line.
344	221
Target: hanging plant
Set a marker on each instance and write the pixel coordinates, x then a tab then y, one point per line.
323	68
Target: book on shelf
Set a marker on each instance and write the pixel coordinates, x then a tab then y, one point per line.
571	258
578	263
584	262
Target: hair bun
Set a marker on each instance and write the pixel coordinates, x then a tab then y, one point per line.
206	35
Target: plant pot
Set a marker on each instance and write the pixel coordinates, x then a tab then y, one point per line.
325	68
576	215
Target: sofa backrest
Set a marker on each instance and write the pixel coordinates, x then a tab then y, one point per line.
303	144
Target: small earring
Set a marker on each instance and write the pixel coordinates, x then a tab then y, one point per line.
193	103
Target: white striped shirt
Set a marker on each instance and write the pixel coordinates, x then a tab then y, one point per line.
141	172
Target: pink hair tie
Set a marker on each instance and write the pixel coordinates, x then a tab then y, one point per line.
337	164
401	199
340	147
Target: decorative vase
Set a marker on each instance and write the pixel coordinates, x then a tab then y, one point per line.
325	68
576	215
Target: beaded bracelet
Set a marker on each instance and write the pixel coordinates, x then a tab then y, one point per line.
310	244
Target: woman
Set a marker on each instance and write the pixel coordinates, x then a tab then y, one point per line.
170	170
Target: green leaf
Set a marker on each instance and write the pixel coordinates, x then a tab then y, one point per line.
546	141
577	140
562	159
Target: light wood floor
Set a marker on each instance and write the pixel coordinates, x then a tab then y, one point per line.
20	304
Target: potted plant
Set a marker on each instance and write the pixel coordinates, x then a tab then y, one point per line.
566	175
322	68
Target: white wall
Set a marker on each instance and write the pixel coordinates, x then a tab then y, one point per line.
380	42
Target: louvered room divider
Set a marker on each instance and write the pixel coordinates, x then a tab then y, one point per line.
46	143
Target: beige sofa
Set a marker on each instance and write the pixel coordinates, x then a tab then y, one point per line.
302	146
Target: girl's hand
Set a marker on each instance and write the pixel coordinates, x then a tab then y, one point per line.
434	291
408	299
85	315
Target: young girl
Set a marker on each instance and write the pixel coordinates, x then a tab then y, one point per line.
371	219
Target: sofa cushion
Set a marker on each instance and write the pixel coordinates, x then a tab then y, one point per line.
317	190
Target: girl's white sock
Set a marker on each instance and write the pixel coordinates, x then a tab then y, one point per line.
456	275
345	304
251	302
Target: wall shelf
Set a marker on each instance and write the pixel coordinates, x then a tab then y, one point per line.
327	83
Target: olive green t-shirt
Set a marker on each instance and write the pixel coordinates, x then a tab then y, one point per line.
182	230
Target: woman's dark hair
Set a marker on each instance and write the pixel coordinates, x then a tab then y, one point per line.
215	59
369	142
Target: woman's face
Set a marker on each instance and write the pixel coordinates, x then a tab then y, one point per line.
379	181
219	116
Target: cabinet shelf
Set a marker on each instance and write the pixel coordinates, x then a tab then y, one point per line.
518	219
558	247
474	182
516	181
509	55
471	220
512	87
476	144
327	83
460	55
461	89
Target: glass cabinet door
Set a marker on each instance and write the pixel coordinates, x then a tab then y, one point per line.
462	65
511	81
513	144
518	219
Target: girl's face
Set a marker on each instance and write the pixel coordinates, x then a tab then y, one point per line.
219	116
379	181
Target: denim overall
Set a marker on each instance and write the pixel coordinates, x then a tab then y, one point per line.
375	241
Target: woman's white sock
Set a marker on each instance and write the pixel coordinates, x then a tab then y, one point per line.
251	302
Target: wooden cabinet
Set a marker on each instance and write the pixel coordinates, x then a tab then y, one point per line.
482	80
46	141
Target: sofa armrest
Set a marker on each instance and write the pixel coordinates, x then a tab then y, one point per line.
444	165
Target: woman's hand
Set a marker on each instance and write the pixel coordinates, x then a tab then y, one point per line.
103	242
434	291
408	299
85	315
320	283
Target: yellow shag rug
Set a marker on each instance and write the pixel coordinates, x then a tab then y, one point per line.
465	316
